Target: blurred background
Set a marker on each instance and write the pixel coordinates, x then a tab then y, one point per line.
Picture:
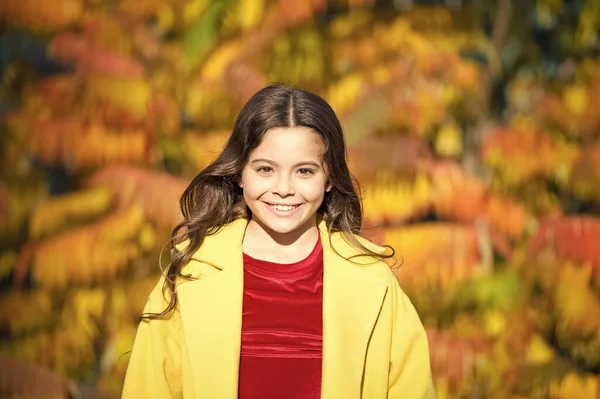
472	127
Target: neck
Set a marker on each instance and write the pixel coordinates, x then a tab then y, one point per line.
259	238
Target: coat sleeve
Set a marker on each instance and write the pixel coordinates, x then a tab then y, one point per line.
154	369
410	369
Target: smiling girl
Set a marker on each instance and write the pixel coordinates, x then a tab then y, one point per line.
271	292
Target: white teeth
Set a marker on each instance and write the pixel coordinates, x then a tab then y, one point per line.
284	207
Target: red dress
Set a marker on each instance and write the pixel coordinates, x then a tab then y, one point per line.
282	328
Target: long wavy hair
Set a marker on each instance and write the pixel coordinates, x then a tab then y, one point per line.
214	197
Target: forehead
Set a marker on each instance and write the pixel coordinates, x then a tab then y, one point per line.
290	144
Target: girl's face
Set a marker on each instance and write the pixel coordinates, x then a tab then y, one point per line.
284	181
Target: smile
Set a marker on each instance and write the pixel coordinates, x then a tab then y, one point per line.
283	208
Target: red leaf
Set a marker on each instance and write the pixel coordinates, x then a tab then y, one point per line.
436	253
91	59
454	358
158	193
457	197
59	92
463	198
16	377
68	141
243	79
393	155
573	238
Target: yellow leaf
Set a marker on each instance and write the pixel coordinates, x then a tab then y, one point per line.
130	94
41	15
55	212
575	387
495	323
538	351
450	94
147	237
343	26
165	17
449	141
576	98
216	65
381	75
343	94
251	13
579	313
192	10
201	150
8	260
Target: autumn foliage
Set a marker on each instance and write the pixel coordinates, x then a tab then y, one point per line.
494	220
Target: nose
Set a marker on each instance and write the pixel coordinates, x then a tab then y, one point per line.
283	186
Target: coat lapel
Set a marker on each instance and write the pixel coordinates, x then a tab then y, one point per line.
211	311
352	300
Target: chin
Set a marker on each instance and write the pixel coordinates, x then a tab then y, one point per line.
283	226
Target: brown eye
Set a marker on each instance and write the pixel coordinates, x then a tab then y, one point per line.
264	169
306	172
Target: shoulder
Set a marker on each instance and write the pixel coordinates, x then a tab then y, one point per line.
232	232
159	297
157	303
353	245
218	248
364	254
376	267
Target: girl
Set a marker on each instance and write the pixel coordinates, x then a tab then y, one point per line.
270	292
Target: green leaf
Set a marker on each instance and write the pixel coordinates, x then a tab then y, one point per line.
499	290
201	36
369	115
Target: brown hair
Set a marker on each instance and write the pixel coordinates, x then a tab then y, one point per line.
214	197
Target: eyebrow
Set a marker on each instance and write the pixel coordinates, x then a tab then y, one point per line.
273	163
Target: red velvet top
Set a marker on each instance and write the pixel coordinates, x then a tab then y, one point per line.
282	328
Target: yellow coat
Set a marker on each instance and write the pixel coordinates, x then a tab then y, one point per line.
374	345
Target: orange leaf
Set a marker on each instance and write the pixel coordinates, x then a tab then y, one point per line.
158	193
463	198
92	253
397	201
391	156
59	92
41	15
70	142
130	94
573	238
454	358
457	196
91	59
436	253
506	216
17	377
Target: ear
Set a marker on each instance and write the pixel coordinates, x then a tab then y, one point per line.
328	187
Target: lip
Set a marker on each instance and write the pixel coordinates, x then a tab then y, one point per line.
283	213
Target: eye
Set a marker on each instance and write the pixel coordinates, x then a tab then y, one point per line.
264	169
306	172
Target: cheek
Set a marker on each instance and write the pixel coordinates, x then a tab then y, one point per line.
251	191
314	190
253	187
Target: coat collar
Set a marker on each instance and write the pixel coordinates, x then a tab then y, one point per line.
211	311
